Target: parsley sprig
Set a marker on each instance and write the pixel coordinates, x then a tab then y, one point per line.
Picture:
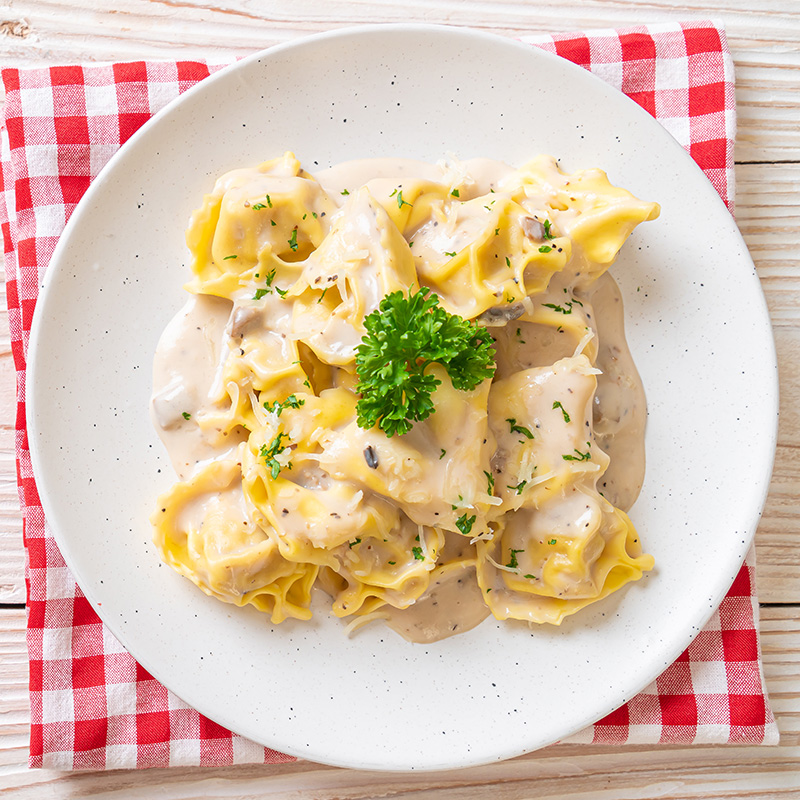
404	336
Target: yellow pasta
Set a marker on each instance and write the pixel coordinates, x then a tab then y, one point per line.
497	490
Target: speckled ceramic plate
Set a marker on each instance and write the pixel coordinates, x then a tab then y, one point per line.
697	326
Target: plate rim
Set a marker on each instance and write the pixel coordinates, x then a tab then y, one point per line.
771	393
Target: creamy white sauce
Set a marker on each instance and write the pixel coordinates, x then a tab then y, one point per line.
194	346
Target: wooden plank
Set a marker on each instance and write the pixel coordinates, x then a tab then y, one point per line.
764	39
768	213
564	771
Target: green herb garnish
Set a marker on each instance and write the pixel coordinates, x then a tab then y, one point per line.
512	562
290	402
557	404
417	551
274	448
578	457
465	523
519	428
565	309
404	336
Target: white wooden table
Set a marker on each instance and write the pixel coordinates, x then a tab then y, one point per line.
764	36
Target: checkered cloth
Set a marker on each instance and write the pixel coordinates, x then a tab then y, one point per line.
92	705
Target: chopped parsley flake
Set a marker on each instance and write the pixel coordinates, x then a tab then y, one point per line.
565	309
557	404
455	193
512	562
551	541
548	234
321	297
281	292
519	428
290	402
293	240
260	293
545	248
186	415
274	448
490	479
269	202
354	542
442	454
417	551
451	254
578	457
530	577
258	206
344	191
519	487
400	201
465	523
228	258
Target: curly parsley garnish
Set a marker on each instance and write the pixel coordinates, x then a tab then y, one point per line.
404	336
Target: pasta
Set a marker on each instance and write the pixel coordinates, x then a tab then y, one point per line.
499	495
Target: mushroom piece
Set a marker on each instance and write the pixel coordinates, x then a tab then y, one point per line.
533	229
501	315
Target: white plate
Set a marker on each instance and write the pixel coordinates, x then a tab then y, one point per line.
697	325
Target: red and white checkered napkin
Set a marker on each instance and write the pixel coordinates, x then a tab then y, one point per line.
92	706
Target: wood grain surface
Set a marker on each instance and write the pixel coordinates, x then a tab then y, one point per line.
765	41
